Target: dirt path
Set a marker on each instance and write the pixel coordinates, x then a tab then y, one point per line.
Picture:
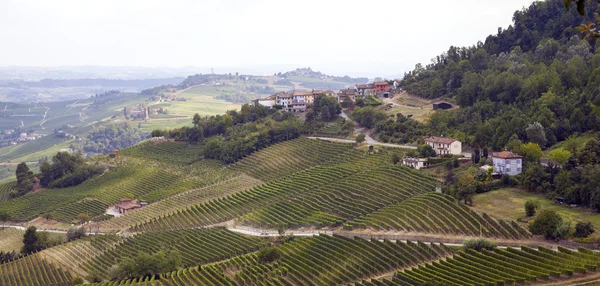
44	119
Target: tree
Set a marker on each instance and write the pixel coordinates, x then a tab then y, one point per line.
583	229
466	187
531	152
75	233
360	138
395	158
4	217
559	155
426	151
83	218
30	241
268	254
479	244
536	133
325	115
546	224
531	206
590	154
24	179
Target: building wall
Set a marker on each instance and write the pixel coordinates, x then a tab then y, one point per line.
456	148
268	103
508	166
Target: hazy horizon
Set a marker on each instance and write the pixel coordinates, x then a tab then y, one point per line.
356	38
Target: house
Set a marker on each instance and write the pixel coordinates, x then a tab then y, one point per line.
269	102
126	205
346	93
417	163
364	90
442	105
284	99
381	86
507	162
324	92
444	145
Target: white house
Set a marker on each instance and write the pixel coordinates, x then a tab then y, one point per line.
507	162
444	145
268	102
417	163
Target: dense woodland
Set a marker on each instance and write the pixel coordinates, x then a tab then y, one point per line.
114	136
537	70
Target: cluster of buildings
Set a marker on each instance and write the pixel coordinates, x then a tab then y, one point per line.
504	162
298	100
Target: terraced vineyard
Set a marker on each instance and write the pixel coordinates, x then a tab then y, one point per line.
285	158
319	260
32	270
69	213
438	213
175	152
232	206
500	267
180	202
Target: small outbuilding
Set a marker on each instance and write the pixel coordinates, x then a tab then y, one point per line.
126	205
442	105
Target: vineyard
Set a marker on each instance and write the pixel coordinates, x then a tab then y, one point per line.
165	151
285	158
180	202
500	267
11	239
32	270
359	194
197	246
319	260
307	181
438	213
5	190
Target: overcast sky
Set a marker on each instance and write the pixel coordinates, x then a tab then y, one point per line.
374	37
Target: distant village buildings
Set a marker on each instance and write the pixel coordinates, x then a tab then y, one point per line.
417	163
126	205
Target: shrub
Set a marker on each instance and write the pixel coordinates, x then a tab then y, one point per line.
531	206
268	254
546	224
583	229
562	230
479	244
77	280
75	233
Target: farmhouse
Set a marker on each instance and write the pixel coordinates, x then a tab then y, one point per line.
346	93
444	145
364	90
441	105
269	102
417	163
126	205
381	86
507	162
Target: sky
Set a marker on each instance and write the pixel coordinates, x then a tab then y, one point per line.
358	38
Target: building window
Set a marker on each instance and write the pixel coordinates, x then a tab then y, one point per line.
518	169
507	170
518	161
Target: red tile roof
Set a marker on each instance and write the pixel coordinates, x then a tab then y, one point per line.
506	155
440	140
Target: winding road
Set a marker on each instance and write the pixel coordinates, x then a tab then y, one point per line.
368	139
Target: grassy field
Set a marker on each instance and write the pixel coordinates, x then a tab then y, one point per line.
419	108
509	203
575	142
31	147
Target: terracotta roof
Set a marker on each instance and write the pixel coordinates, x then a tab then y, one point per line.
440	140
380	83
127	205
346	92
284	95
365	86
506	155
302	93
